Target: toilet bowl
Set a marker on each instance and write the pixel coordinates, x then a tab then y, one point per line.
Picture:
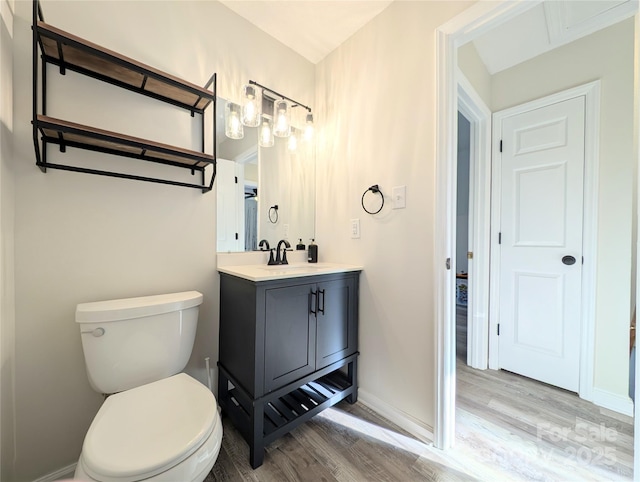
159	425
168	430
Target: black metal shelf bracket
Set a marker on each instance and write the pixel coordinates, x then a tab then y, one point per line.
112	143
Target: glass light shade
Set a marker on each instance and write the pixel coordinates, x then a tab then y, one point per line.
232	126
251	106
308	129
292	142
281	118
265	136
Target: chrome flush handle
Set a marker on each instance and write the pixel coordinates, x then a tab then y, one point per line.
97	332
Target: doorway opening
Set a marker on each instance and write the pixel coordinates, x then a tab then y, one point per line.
480	18
463	254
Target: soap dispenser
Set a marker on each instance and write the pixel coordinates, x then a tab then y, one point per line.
300	246
313	252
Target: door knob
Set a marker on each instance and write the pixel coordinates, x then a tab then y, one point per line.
568	260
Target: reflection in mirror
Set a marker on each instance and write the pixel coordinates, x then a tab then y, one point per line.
250	180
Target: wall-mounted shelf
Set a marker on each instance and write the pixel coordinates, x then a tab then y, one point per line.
68	51
68	134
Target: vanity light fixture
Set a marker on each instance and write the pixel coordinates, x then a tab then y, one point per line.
281	118
279	124
233	127
251	106
292	142
308	128
265	136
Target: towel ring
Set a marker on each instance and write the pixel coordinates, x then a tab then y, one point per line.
273	213
376	190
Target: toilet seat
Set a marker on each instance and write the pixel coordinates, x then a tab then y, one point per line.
147	430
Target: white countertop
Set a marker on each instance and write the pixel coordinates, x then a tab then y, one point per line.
263	272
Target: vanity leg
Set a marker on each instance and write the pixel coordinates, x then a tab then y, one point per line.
352	373
256	447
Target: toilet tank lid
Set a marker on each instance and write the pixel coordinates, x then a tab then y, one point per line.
128	308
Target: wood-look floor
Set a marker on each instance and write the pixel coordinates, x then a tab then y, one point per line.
508	428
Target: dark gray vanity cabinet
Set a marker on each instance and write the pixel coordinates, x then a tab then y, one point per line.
288	349
289	334
307	327
336	319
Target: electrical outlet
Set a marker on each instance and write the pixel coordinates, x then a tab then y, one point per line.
399	195
355	228
286	231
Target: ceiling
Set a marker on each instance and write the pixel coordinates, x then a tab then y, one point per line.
545	26
313	28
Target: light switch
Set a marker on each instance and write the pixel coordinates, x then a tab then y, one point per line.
355	228
399	195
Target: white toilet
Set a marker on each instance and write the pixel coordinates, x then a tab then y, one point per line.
161	425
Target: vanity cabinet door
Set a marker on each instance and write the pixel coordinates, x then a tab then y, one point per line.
290	334
337	327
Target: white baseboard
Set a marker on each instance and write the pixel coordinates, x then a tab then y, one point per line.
613	401
400	418
63	473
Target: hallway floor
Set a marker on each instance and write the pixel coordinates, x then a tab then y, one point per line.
535	431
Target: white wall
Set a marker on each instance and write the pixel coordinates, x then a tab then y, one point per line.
475	71
376	118
605	55
83	238
7	209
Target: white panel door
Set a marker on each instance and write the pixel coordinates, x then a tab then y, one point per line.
541	231
229	201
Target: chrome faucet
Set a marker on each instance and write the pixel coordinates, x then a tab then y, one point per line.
282	260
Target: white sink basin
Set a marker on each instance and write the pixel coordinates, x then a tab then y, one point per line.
286	270
262	272
290	267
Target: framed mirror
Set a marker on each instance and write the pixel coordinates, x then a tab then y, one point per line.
262	192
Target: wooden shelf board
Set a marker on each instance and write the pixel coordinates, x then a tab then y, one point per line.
60	131
90	57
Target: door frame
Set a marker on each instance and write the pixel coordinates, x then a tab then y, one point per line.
591	93
636	143
474	21
478	114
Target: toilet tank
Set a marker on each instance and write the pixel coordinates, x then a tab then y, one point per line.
134	341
